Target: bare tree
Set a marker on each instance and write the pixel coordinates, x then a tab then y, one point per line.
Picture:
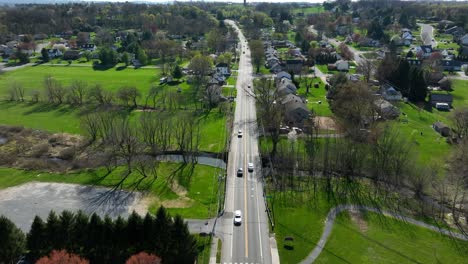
128	95
77	92
366	67
90	123
16	91
212	95
270	110
100	95
460	122
186	135
54	91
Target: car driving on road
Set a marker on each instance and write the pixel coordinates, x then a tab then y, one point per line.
240	172
250	167
237	217
239	133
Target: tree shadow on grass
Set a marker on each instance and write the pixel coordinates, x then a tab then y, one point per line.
47	107
121	68
100	67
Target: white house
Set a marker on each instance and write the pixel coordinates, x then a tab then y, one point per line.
424	50
54	53
342	65
89	47
223	68
407	38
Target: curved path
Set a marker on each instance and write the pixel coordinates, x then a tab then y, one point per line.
336	210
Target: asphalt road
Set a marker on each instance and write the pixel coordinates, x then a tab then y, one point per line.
248	242
427	35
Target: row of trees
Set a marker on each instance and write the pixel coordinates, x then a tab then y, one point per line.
100	240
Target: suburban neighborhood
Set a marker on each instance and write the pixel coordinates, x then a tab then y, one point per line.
233	132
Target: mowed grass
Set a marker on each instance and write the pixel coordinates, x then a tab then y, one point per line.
377	239
32	78
196	202
316	97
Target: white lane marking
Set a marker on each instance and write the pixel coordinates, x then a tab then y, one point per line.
259	226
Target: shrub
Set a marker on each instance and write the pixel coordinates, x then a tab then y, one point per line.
60	257
39	150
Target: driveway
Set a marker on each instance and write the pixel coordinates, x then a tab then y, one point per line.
22	203
427	35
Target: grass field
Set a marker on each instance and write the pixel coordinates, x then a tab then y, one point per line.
315	95
194	203
32	78
309	10
374	239
301	215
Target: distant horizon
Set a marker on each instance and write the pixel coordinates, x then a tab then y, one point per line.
160	1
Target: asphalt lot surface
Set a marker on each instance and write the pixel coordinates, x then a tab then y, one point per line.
22	203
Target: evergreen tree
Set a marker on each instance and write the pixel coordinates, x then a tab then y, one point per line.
417	85
45	55
177	72
52	232
65	234
148	234
12	241
162	229
95	228
107	247
79	233
183	244
134	232
120	241
36	238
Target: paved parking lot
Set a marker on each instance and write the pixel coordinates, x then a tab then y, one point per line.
21	203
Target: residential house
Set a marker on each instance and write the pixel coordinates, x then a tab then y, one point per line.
451	65
6	51
445	83
441	128
464	40
218	79
441	100
414	62
285	87
296	111
386	110
407	38
282	74
342	65
39	36
270	61
71	55
389	93
294	65
54	53
424	51
223	68
455	31
89	47
276	67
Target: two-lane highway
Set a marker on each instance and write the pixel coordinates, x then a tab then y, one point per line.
249	241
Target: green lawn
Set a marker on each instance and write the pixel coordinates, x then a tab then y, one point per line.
32	78
309	10
324	69
196	204
301	215
314	96
387	240
429	145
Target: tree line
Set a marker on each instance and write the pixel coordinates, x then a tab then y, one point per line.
100	240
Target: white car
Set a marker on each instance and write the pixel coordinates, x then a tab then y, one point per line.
237	217
250	167
239	133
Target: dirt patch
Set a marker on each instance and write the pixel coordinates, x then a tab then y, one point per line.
178	189
143	205
181	202
356	217
326	123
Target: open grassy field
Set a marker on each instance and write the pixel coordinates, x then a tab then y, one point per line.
309	10
182	189
301	215
374	239
32	78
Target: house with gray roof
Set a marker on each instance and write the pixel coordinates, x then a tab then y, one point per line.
285	87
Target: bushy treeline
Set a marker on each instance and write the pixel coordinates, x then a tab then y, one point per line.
179	18
100	240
